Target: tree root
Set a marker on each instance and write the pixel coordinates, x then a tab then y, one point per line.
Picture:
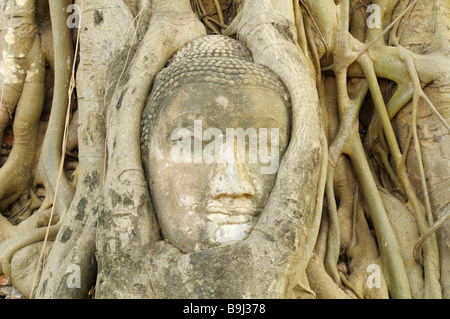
12	245
342	50
16	174
6	229
17	37
407	232
418	246
167	32
320	281
432	272
51	154
87	203
364	256
23	266
24	207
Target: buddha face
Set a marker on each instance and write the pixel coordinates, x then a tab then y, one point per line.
213	157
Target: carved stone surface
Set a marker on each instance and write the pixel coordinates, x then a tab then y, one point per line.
210	87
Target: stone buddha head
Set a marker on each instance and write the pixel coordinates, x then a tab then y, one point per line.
213	133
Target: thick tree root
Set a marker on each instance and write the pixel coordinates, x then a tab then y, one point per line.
51	153
12	245
84	211
16	174
167	33
17	37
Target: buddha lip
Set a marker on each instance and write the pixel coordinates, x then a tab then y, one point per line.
215	207
230	210
226	219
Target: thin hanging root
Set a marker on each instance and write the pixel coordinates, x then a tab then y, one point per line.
387	165
218	23
130	44
419	93
386	7
397	279
416	86
219	11
376	138
353	241
24	208
307	7
201	7
415	104
301	33
407	146
210	22
333	243
405	178
401	98
363	49
404	224
433	108
397	30
367	65
211	26
375	40
418	247
320	281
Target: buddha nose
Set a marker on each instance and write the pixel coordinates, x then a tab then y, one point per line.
231	179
